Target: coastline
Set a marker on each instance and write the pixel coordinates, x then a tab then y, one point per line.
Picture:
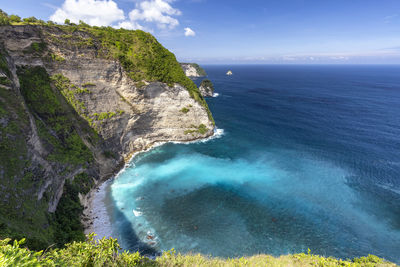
95	217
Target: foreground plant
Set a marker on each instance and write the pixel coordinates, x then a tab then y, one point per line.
107	252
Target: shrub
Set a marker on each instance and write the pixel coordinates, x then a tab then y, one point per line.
4	20
107	252
185	110
30	20
14	18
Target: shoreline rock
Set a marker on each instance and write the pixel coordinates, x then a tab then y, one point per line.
206	88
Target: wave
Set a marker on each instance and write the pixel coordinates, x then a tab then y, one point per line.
218	133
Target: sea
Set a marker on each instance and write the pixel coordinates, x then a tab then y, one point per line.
304	158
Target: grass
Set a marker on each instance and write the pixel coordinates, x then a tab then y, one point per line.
184	110
107	252
201	129
57	58
104	115
88	84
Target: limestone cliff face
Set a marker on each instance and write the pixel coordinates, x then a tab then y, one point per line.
111	116
193	70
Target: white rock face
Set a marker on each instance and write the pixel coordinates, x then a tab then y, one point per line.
190	70
206	88
150	114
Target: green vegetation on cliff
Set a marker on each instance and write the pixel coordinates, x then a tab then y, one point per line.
207	86
201	129
107	252
207	83
17	176
21	213
54	123
144	58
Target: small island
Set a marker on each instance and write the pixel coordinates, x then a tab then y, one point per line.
206	88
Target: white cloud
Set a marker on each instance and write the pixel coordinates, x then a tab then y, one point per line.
107	13
93	12
189	32
157	11
129	25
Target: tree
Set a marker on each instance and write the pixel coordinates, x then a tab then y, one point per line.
14	18
67	22
30	20
4	20
82	23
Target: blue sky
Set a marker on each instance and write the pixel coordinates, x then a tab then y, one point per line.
238	31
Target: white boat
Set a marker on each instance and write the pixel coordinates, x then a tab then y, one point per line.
229	73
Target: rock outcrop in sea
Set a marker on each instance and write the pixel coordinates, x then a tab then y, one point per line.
206	88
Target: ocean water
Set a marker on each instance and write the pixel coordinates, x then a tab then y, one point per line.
305	157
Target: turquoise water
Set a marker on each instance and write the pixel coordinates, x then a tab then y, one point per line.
306	157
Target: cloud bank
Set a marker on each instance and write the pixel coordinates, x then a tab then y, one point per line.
146	13
157	11
93	12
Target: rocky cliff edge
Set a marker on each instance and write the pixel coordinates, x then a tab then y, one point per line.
71	114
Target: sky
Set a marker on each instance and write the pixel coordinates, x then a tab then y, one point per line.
245	32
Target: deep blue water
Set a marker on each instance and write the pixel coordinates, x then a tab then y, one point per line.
309	158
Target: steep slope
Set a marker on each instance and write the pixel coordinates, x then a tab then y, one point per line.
206	88
75	102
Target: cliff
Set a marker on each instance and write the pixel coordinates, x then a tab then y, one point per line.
75	103
193	70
